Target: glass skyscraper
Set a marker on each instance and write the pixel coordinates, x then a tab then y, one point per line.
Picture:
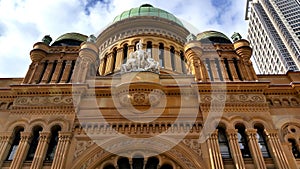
274	34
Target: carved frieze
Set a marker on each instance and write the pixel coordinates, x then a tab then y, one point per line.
194	145
232	98
43	101
81	146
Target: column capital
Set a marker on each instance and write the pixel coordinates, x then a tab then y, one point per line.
271	132
25	136
6	136
44	136
251	133
65	136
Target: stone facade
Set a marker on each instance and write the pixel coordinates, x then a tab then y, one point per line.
205	108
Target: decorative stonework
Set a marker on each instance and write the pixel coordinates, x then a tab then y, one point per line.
52	100
234	98
140	60
81	146
194	145
140	98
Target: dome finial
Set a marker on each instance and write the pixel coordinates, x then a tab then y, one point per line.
146	5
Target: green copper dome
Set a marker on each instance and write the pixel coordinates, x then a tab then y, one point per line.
213	36
73	38
147	10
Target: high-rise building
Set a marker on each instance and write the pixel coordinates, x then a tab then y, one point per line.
274	34
147	94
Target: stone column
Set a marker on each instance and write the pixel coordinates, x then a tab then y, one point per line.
214	151
41	150
276	149
66	72
5	143
178	62
235	149
22	150
48	70
254	149
109	63
167	58
119	59
155	51
64	139
57	72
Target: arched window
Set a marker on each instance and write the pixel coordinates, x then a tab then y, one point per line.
295	149
166	166
138	162
149	48
53	143
15	143
242	140
114	59
152	163
125	53
123	163
261	138
183	62
172	55
161	55
109	167
34	142
223	143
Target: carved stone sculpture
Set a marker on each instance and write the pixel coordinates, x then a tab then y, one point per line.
140	60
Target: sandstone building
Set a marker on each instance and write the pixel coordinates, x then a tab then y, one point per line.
147	94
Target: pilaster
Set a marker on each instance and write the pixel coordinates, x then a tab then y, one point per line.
5	143
21	151
254	149
235	149
41	150
276	149
214	151
64	139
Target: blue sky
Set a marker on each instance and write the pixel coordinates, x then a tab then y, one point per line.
25	22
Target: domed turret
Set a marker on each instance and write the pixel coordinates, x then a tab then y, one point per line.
70	39
213	36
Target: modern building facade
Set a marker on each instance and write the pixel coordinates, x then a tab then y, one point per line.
274	34
147	94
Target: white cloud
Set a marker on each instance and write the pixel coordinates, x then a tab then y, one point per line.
25	22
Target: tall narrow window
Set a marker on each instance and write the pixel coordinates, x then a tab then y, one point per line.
138	162
262	141
71	71
217	62
149	48
161	55
125	53
152	163
242	139
208	68
61	71
172	54
15	143
228	69
166	166
235	62
109	167
45	64
34	142
123	163
53	143
295	149
183	62
223	143
114	58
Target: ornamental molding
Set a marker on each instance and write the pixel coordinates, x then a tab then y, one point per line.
81	146
232	98
194	145
43	101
